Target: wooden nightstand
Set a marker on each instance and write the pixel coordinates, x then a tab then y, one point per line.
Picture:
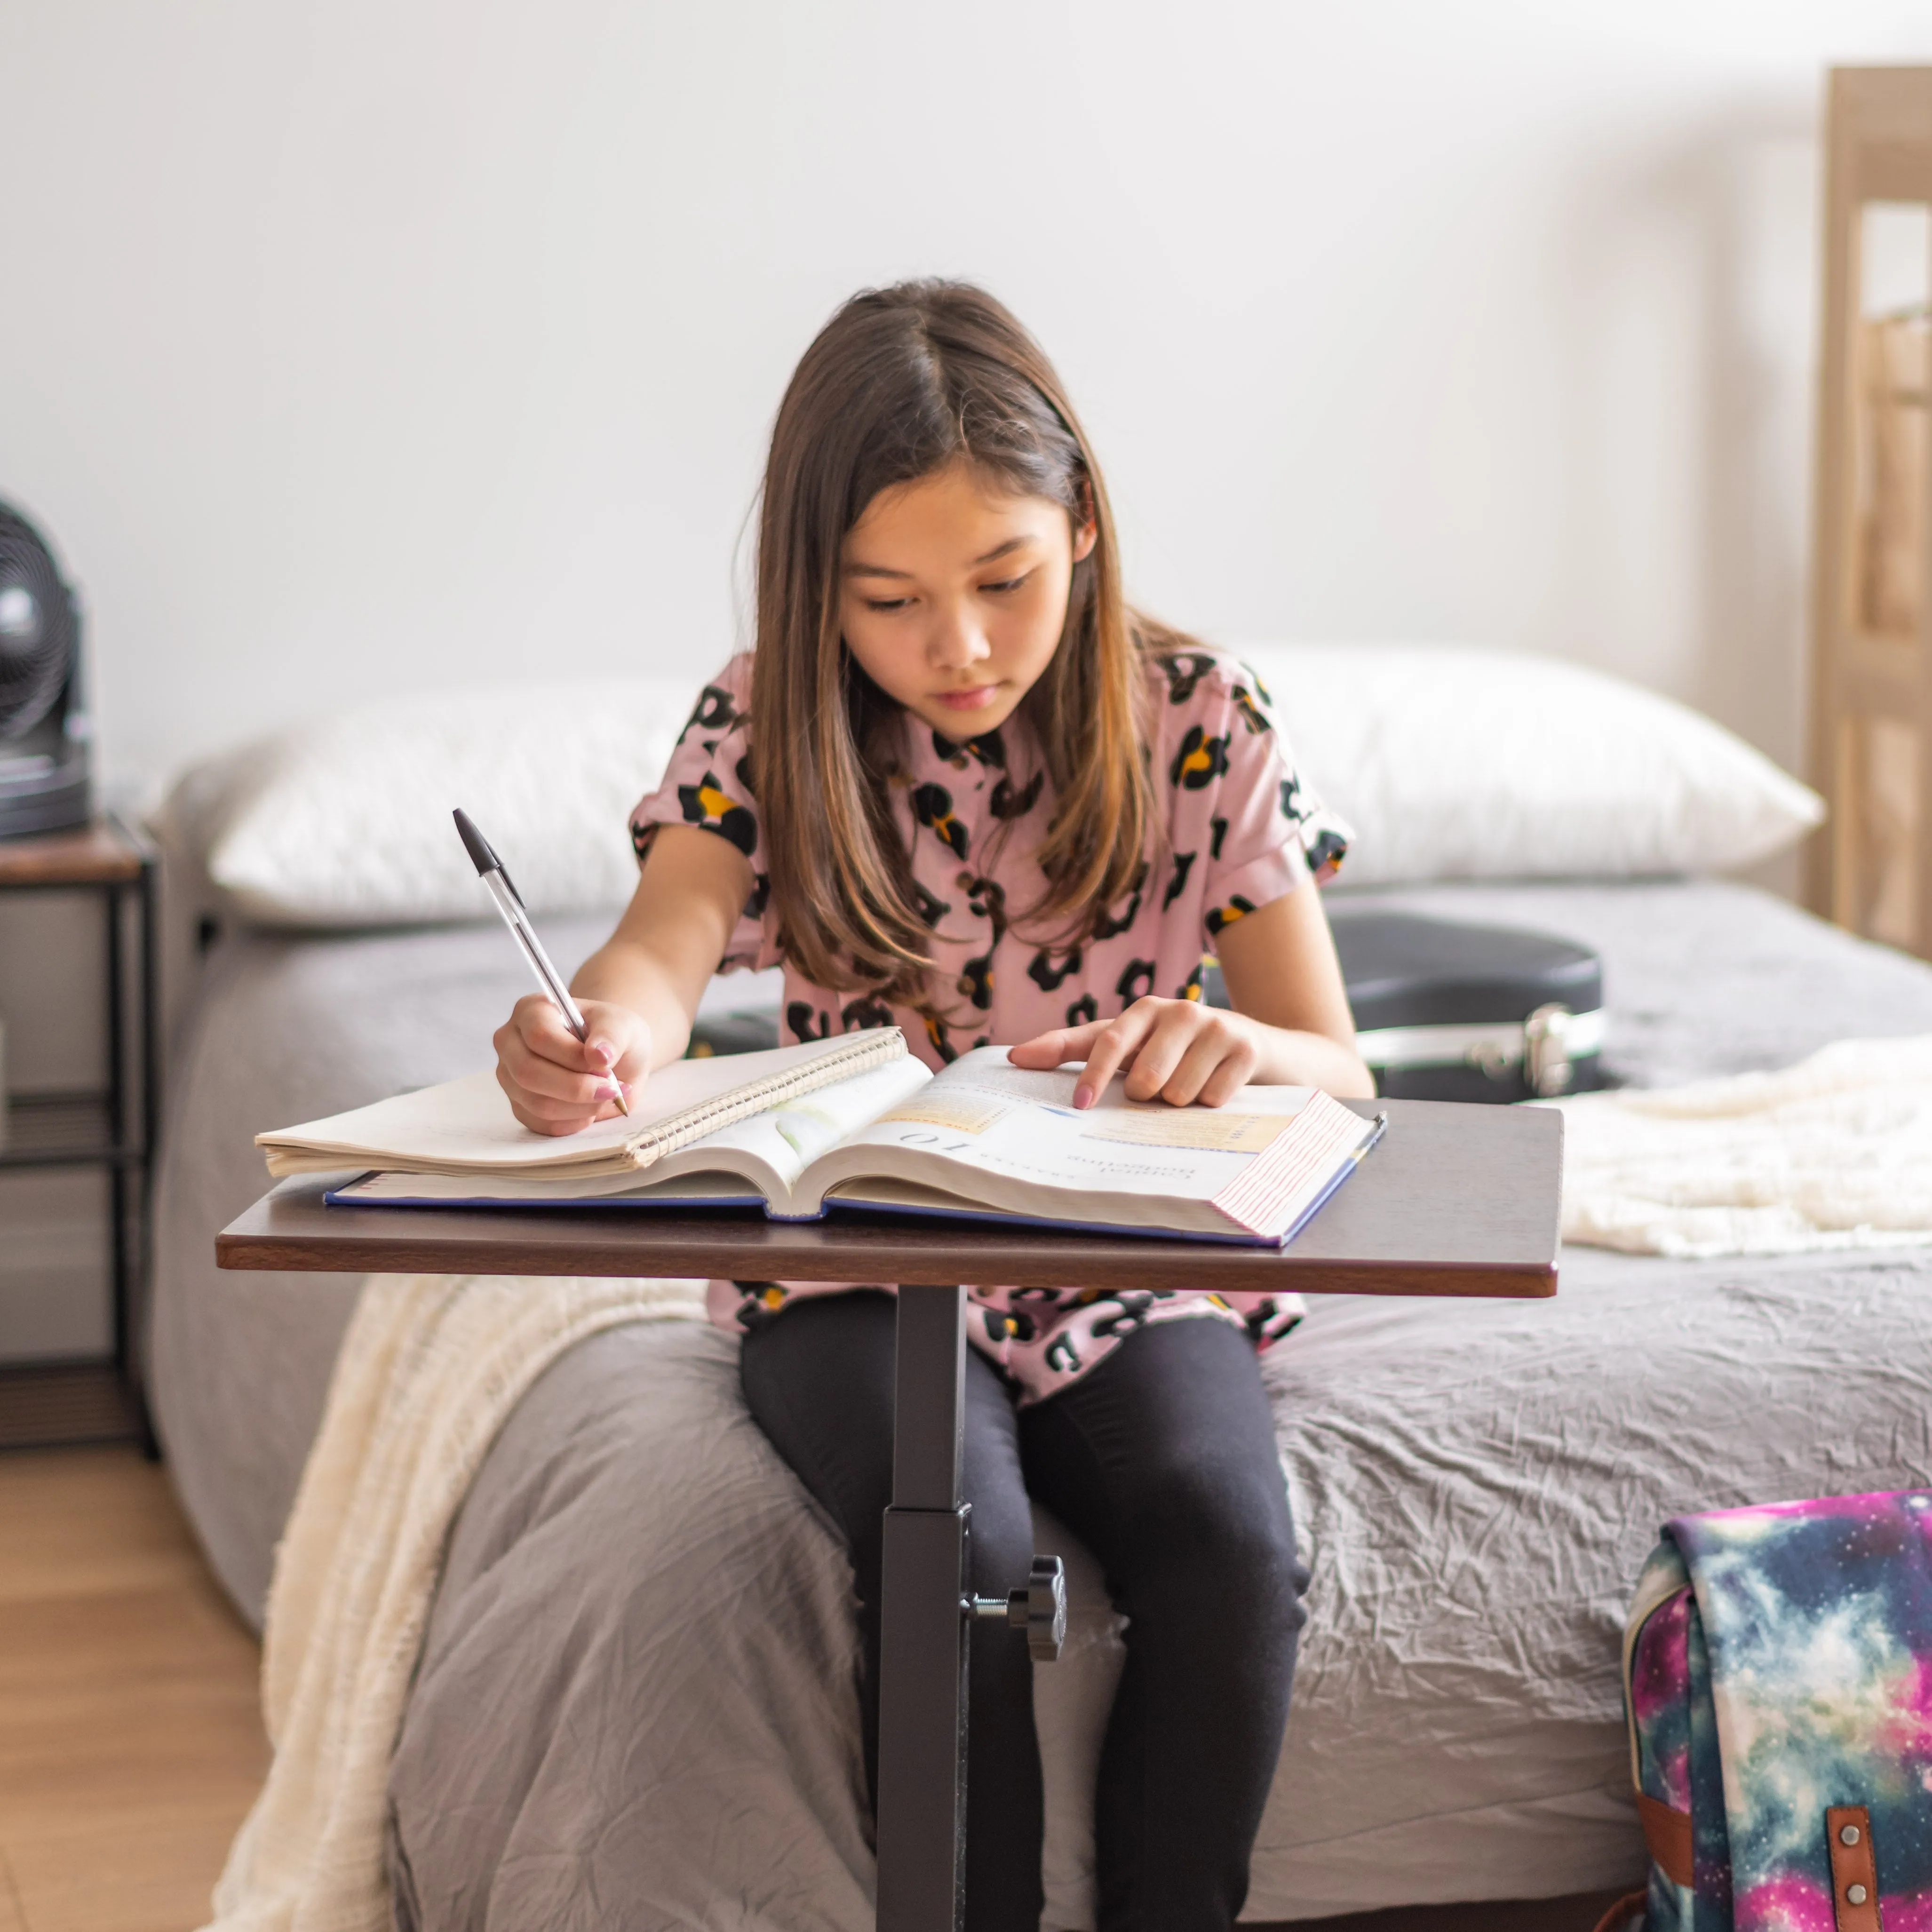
112	1128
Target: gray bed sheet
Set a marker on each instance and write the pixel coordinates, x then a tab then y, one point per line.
636	1705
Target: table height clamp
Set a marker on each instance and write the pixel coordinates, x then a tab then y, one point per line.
927	1612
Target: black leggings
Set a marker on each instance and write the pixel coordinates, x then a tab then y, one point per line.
1163	1460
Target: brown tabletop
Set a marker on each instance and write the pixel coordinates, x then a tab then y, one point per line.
100	853
1455	1200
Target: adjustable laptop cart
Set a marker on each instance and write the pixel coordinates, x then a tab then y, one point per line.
1455	1200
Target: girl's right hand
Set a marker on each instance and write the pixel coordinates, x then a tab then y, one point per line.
558	1083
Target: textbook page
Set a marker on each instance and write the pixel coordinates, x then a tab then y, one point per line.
999	1136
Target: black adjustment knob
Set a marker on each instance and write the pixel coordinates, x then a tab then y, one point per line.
1040	1609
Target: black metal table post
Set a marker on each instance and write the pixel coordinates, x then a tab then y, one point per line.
923	1634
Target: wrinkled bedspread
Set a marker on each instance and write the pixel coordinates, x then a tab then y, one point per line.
635	1704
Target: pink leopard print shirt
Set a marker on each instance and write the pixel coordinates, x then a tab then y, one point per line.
1241	830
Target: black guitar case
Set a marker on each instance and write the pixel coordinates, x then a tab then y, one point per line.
1445	1011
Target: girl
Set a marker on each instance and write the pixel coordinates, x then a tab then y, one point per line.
960	786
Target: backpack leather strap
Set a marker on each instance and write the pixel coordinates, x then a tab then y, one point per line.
1617	1918
1854	1867
1666	1835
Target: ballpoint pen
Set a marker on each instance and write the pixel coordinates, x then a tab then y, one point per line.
509	903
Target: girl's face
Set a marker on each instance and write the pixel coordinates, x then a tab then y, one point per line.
953	595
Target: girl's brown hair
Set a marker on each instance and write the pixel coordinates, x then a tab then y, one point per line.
900	383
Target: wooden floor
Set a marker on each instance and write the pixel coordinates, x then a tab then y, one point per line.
129	1744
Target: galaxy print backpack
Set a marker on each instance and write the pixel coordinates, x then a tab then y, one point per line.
1778	1680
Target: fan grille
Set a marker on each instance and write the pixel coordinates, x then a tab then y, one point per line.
36	627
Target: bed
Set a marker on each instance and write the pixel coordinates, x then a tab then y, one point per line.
635	1703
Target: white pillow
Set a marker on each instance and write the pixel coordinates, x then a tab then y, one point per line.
1457	763
347	822
1450	763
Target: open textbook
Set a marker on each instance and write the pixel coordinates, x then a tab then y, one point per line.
859	1123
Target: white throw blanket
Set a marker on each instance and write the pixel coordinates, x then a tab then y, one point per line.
1834	1153
430	1370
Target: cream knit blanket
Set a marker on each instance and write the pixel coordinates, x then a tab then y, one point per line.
1834	1153
430	1370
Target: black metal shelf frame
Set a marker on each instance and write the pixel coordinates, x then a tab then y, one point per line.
113	1130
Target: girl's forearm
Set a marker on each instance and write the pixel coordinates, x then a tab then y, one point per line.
691	888
621	972
1290	1058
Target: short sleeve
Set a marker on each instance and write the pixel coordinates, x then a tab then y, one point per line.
707	783
1270	832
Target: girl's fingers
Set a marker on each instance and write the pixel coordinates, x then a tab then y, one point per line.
580	1106
539	1076
616	1040
1215	1065
1049	1050
559	1116
542	1115
1228	1079
1119	1041
540	1026
1171	1050
558	1083
547	1096
1155	1064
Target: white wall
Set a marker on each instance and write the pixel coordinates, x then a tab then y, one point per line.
389	343
378	344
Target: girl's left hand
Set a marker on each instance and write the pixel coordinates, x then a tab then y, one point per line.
1174	1050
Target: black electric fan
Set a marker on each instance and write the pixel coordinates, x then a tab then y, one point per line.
43	731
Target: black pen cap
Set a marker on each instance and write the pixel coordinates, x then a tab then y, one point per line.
476	844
